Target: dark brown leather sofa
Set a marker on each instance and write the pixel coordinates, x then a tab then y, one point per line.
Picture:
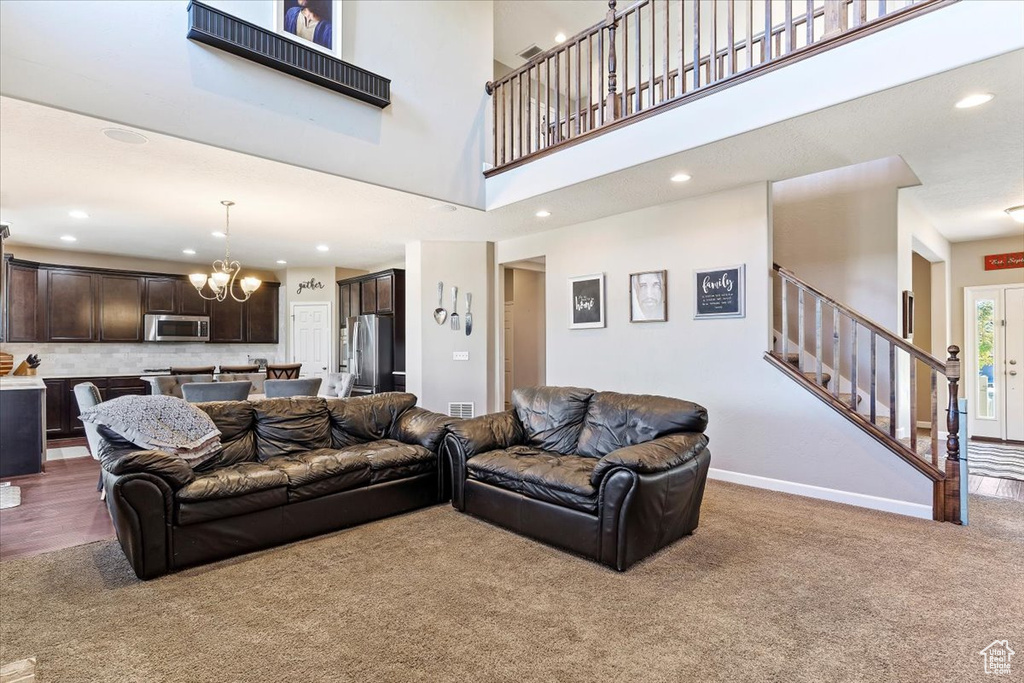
613	477
288	468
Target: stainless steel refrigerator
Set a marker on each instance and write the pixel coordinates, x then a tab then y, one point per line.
370	353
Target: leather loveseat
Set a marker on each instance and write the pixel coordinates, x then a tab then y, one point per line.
288	468
613	477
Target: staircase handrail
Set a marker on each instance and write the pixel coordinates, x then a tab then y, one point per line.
923	356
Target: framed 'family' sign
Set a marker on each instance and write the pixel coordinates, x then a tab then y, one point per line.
719	293
586	302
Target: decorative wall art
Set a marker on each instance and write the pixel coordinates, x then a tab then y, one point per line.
908	314
586	302
316	23
648	297
719	293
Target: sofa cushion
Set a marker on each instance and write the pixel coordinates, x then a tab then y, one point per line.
236	421
233	480
391	460
560	479
552	416
366	418
229	491
291	425
615	421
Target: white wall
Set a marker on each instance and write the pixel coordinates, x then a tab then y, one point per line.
762	424
328	277
968	270
130	62
431	372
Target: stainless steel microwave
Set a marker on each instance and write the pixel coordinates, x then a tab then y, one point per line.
177	328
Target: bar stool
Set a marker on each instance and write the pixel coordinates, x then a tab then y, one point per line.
283	370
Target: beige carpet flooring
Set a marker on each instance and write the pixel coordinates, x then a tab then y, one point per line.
770	588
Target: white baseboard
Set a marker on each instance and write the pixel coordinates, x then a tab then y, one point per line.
899	507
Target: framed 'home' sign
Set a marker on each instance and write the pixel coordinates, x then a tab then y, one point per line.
719	293
586	302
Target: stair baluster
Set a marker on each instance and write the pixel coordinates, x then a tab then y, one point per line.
947	478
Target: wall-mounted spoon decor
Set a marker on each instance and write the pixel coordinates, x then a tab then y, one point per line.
440	315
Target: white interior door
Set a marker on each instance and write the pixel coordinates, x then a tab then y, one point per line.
1014	353
311	338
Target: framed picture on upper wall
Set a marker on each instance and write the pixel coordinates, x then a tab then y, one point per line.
648	297
719	293
315	23
586	302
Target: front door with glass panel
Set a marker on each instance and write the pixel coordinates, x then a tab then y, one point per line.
994	318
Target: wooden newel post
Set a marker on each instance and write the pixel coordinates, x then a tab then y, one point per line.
613	110
952	484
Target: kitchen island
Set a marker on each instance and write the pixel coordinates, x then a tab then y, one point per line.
22	426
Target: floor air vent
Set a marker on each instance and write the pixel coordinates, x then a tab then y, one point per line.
461	410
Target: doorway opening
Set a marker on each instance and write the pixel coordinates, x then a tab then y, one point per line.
524	334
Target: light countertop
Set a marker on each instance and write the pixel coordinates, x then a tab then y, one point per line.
11	383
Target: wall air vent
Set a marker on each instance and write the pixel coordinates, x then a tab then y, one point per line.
530	52
461	410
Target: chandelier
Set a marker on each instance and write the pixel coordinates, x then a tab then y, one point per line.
222	280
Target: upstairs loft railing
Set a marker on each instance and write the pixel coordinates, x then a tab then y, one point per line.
825	343
655	54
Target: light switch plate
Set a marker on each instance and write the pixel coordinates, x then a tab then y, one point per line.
460	355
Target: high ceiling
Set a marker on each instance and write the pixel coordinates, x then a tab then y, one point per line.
518	25
156	199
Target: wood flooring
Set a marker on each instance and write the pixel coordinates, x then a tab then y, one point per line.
59	508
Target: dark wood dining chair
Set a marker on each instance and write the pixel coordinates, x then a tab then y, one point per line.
283	370
239	369
201	370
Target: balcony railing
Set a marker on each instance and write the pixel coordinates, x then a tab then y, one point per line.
657	54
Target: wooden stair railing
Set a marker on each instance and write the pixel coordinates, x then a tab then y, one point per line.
658	54
844	358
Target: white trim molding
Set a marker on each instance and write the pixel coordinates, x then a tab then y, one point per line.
899	507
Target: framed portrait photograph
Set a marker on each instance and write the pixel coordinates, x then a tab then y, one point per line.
719	293
648	297
586	302
314	23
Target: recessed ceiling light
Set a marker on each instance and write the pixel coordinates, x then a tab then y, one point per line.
560	38
543	213
127	136
680	178
68	238
1016	213
77	213
974	100
217	233
190	252
322	247
281	261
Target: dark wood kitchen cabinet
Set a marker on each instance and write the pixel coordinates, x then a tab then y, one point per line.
70	306
227	321
261	319
380	293
368	296
120	308
189	302
385	294
23	304
56	408
162	295
77	304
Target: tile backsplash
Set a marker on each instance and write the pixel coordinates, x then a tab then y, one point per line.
89	360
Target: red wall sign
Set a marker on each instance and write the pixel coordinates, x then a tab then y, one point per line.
1002	261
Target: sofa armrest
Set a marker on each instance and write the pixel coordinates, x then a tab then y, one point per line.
486	433
421	427
658	455
170	468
